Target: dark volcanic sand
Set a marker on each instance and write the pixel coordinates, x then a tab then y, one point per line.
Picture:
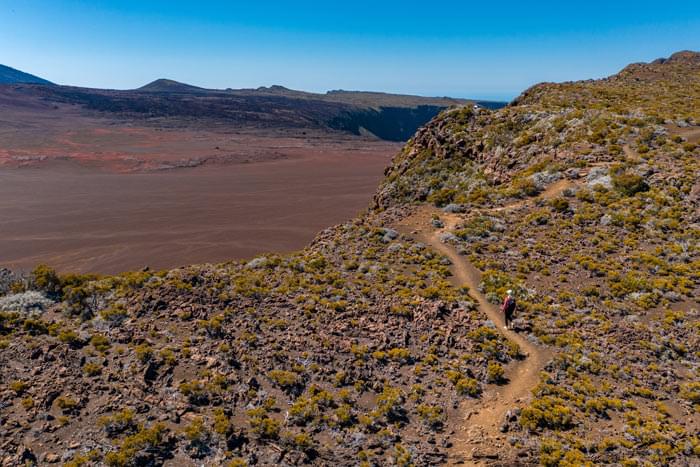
88	220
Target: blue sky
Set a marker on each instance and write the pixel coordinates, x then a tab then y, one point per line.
459	48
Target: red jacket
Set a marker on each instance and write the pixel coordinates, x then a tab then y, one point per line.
506	305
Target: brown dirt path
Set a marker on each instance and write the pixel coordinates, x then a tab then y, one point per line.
478	433
691	134
551	191
478	439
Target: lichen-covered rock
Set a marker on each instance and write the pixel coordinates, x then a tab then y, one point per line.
25	302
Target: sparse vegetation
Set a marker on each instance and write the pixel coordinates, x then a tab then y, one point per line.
580	198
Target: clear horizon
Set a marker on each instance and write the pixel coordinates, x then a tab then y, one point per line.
454	49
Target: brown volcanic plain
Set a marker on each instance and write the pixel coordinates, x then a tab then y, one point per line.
90	191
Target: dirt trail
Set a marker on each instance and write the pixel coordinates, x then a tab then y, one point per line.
691	134
480	432
478	438
550	192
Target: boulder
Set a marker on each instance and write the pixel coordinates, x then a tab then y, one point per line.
544	179
454	208
447	237
257	263
599	176
572	173
25	302
389	235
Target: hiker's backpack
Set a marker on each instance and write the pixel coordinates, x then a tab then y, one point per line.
510	305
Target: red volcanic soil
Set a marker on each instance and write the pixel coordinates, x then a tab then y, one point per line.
85	220
86	192
38	131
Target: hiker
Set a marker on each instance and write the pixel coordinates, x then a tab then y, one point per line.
508	308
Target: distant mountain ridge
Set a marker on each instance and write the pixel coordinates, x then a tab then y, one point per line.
393	117
9	75
370	99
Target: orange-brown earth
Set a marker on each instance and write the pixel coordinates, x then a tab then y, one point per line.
88	193
83	219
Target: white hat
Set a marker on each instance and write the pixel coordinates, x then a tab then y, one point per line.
509	292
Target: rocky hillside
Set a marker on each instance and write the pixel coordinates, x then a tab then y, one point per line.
469	155
361	349
583	198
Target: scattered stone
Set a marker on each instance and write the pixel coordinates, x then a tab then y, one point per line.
485	453
257	263
393	248
454	208
572	173
51	458
542	180
389	235
599	176
30	302
448	237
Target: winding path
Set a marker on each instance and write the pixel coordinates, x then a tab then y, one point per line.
479	433
478	437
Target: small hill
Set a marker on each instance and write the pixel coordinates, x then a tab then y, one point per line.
10	75
168	85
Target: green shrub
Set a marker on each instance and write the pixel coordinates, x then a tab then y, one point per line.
71	338
525	187
222	422
92	369
691	392
629	184
559	204
167	357
19	387
432	415
262	425
46	279
198	436
114	315
144	352
468	386
547	412
399	354
305	409
66	404
390	404
141	448
287	380
195	392
35	326
495	373
300	441
343	415
100	342
118	423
